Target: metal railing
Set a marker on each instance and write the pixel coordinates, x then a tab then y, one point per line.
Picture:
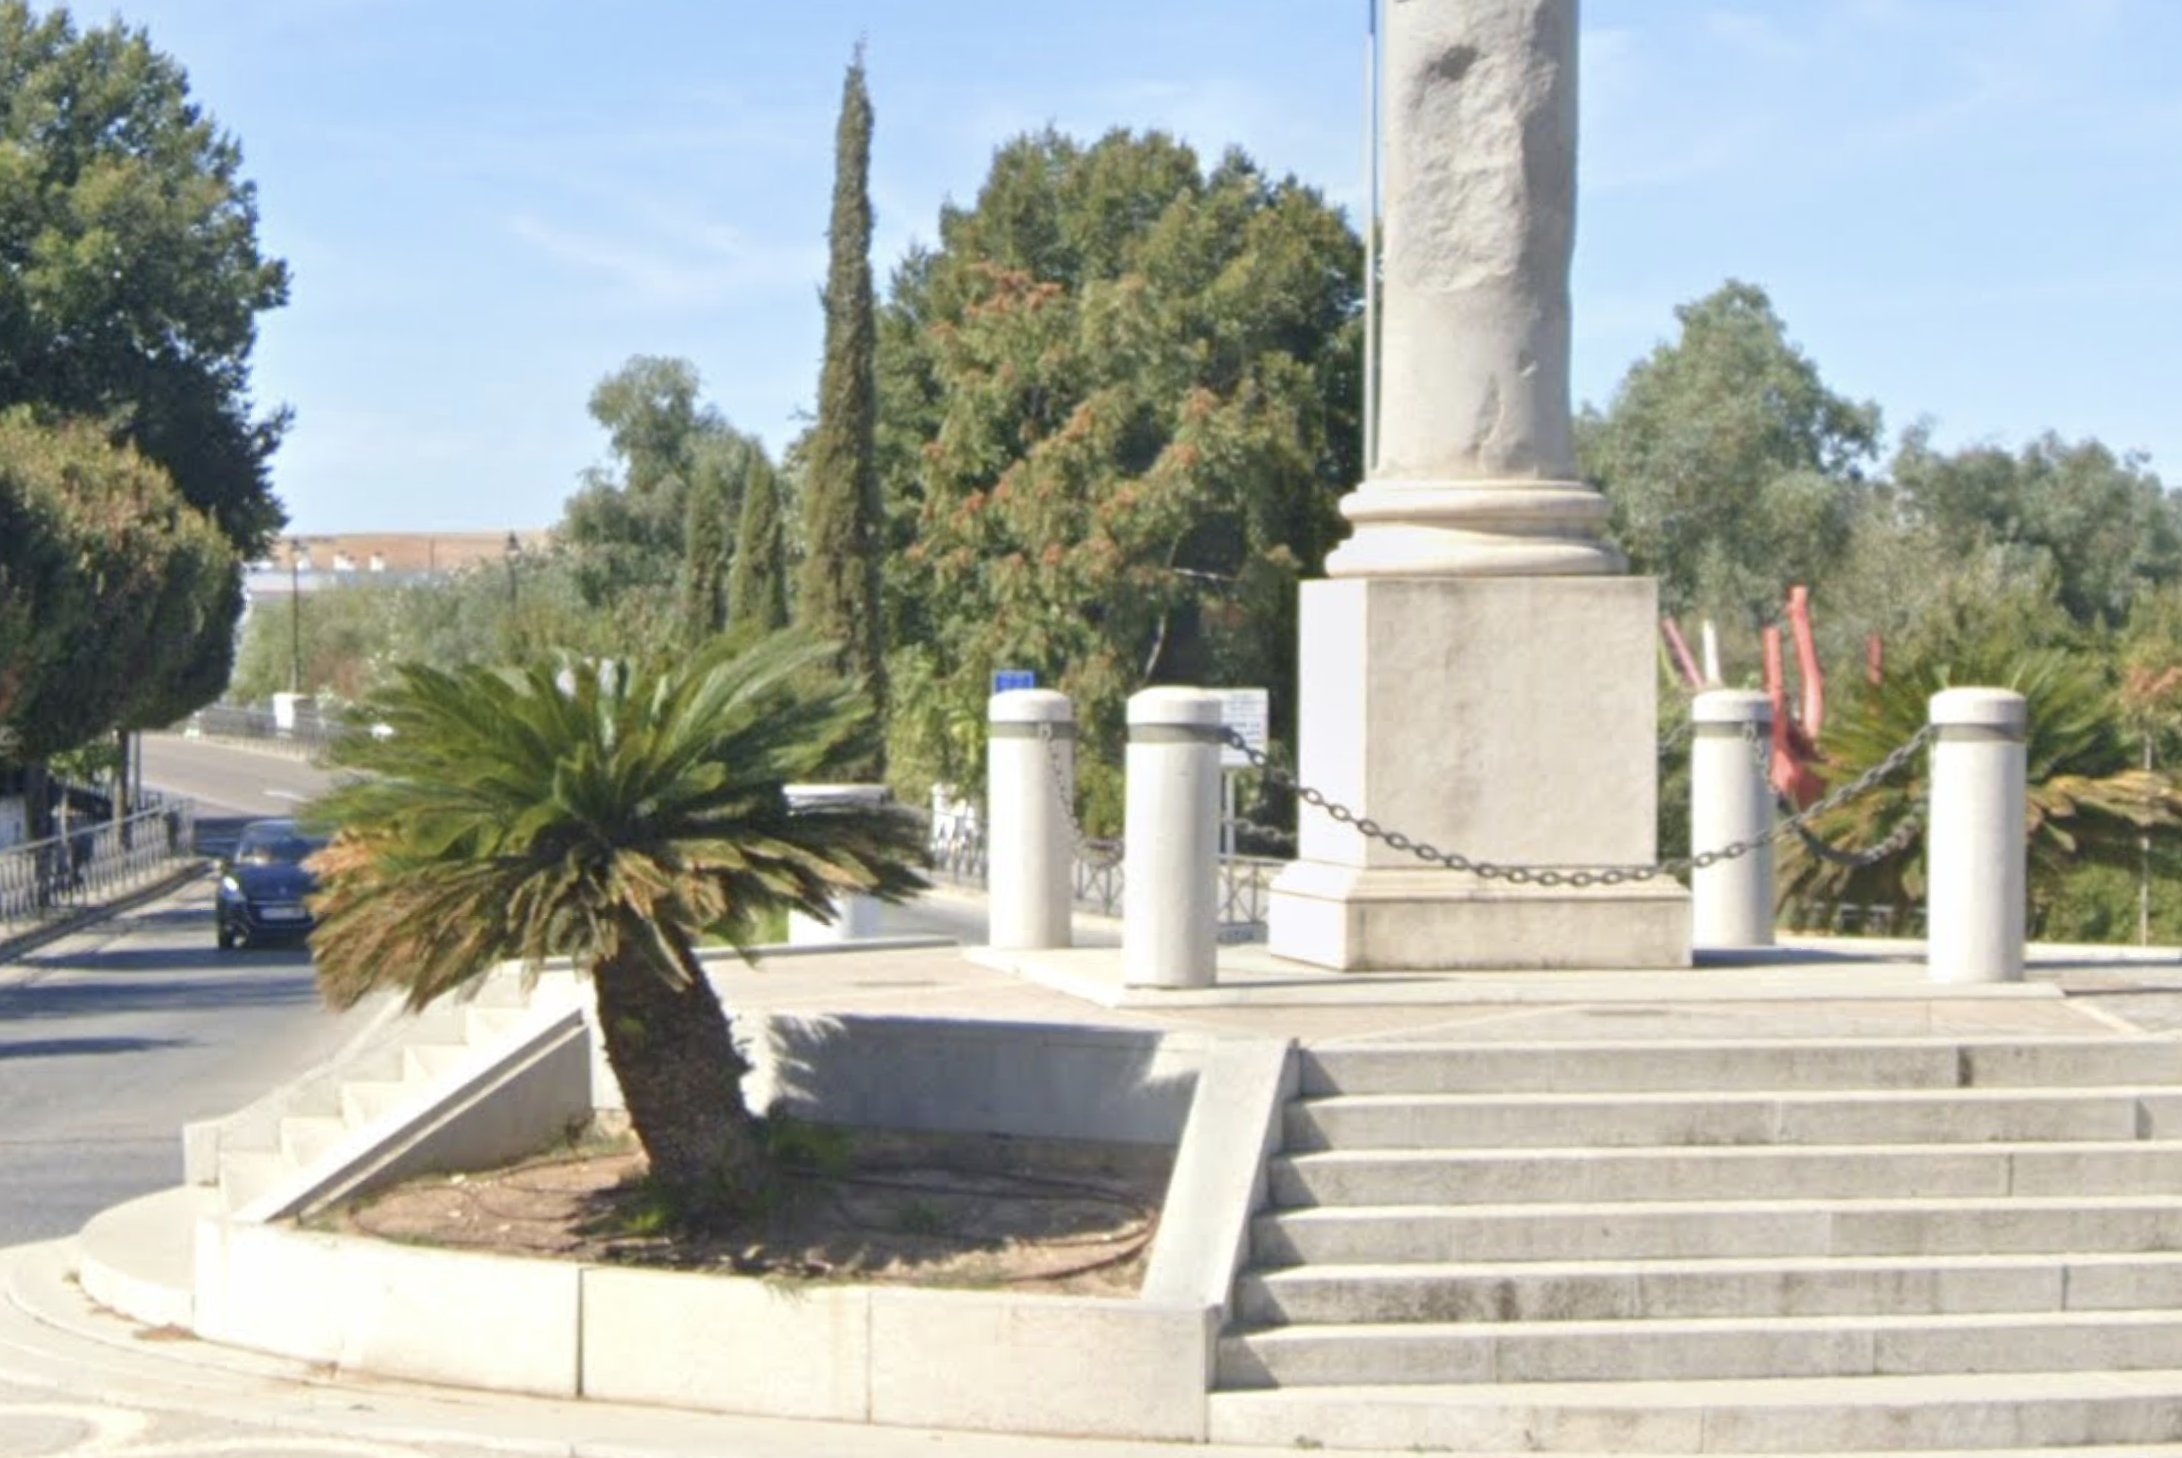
92	863
955	850
306	737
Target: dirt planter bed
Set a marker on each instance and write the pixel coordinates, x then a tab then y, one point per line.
995	1360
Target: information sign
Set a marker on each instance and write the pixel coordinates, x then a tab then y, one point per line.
1248	712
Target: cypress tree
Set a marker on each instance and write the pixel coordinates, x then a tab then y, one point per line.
704	559
757	585
839	597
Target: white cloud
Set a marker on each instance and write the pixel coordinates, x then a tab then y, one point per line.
685	263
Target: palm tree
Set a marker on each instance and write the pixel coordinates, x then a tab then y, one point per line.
2086	802
616	813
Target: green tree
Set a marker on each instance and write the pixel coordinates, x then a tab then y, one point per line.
2149	654
130	275
624	531
705	539
613	812
334	641
1732	470
1121	398
108	582
354	634
840	592
757	584
2106	523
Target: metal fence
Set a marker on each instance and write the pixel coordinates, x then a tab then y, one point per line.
93	862
306	737
955	849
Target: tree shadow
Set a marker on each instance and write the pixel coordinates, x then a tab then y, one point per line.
84	1047
86	998
198	962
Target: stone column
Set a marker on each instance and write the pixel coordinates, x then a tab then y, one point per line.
1170	889
1731	800
1477	673
1477	468
1974	854
1030	764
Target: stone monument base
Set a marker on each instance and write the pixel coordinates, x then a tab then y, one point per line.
1352	919
1511	720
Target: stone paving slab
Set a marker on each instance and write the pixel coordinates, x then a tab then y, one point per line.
1808	990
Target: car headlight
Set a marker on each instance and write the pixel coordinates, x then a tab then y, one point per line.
230	888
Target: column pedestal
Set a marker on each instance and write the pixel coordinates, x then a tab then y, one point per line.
1510	719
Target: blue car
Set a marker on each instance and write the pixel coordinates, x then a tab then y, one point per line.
265	888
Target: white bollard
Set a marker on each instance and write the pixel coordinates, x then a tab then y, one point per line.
855	917
1974	846
1170	869
1030	785
1731	902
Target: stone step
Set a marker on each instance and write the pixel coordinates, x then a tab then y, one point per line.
1634	1230
426	1062
1668	1288
1701	1349
488	1024
247	1174
381	1061
306	1137
1702	1066
366	1101
1511	1176
1614	1290
500	990
1812	1415
1473	1121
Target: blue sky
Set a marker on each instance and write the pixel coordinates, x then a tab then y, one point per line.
1964	209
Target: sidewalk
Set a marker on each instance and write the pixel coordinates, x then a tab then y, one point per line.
20	938
53	1339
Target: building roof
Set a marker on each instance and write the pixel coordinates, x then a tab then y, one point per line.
404	552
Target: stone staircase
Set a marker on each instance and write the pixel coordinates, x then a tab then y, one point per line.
1808	1246
266	1148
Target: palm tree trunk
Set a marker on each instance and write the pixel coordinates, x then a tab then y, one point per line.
681	1076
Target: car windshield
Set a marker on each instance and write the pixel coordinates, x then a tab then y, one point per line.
285	850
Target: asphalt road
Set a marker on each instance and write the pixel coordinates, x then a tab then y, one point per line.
113	1038
229	784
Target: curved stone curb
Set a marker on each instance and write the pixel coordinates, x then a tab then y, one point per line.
905	1357
53	1338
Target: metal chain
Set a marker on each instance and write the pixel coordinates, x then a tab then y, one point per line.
1105	851
1799	823
1761	745
1761	751
1577	876
1896	842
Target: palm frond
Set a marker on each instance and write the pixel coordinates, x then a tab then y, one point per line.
546	810
2084	803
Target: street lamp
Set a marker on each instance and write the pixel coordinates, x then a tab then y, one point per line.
295	615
